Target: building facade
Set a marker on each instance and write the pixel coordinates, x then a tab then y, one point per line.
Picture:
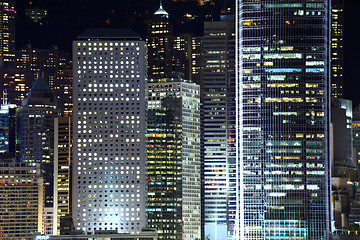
7	33
219	129
173	159
55	66
337	48
21	200
35	133
283	123
63	145
170	54
109	131
7	128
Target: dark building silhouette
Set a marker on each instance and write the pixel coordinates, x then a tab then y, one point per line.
35	132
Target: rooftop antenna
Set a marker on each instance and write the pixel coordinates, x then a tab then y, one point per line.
5	98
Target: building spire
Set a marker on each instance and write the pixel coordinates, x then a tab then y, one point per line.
161	11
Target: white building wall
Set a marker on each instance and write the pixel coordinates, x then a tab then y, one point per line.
109	135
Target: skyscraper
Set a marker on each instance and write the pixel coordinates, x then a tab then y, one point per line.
7	128
21	200
283	119
219	129
109	131
159	37
170	54
13	81
173	159
63	142
337	48
7	33
36	133
55	65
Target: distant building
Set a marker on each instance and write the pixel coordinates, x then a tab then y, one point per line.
109	178
342	136
7	128
35	132
7	33
55	66
173	159
354	216
170	54
337	48
21	200
159	37
14	82
36	14
356	135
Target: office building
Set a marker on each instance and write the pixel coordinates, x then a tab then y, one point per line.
337	48
356	135
343	166
170	54
283	119
21	200
35	133
342	134
158	43
13	81
109	131
7	33
63	143
7	128
55	66
102	235
173	158
219	129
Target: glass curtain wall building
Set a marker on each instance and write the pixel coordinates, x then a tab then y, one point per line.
173	159
219	129
283	114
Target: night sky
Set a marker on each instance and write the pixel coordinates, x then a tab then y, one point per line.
68	18
352	51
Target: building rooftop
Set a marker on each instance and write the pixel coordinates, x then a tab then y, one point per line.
40	85
161	11
108	33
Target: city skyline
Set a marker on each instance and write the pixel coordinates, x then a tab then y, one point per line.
69	31
197	119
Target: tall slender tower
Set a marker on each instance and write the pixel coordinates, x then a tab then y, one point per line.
36	133
219	129
7	33
283	119
337	48
160	33
109	131
173	159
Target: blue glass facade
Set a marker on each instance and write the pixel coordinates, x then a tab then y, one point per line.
283	119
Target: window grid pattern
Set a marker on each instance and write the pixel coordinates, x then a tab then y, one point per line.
283	119
21	200
109	135
219	129
173	163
